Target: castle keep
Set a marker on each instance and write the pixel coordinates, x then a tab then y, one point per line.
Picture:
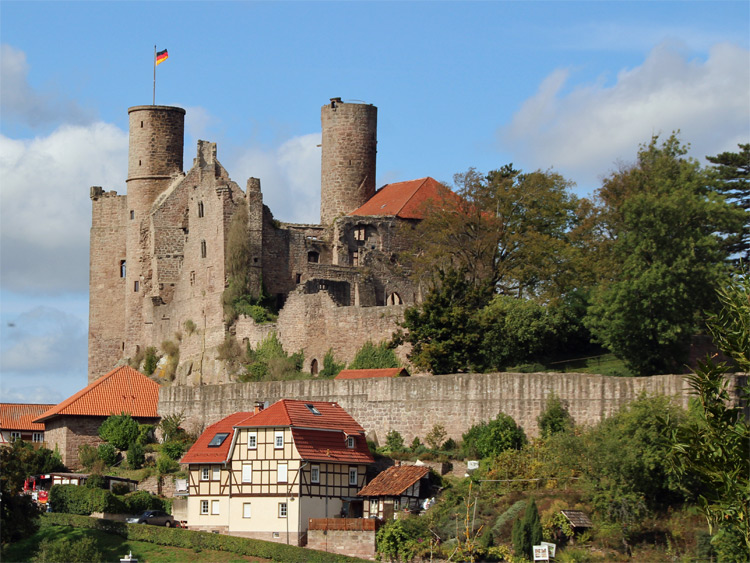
158	253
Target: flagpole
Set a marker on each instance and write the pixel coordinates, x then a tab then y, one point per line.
153	100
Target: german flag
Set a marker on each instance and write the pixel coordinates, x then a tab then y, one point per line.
161	56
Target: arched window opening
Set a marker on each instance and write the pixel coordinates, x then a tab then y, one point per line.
394	299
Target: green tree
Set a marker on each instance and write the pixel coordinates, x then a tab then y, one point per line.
445	330
659	229
120	430
715	446
488	439
331	367
436	436
731	178
554	418
502	230
107	453
527	531
18	514
394	442
371	356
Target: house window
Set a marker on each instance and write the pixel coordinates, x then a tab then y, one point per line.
136	286
204	507
281	473
282	510
279	442
373	506
15	435
218	439
203	249
214	507
246	512
313	409
313	257
247	473
200	209
315	473
37	437
204	474
350	441
122	268
252	440
217	473
352	475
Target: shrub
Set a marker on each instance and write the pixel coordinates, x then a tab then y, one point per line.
331	367
394	442
527	531
173	450
487	439
139	501
370	356
95	481
82	550
107	453
87	455
436	436
72	499
170	426
170	348
120	430
165	464
230	352
150	361
136	456
554	418
189	326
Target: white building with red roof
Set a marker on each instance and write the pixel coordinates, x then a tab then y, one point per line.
264	474
17	422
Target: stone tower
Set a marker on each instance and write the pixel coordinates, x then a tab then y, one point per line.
154	157
349	147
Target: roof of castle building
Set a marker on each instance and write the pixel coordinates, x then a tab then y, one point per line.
368	373
394	480
202	452
407	200
122	390
311	423
17	416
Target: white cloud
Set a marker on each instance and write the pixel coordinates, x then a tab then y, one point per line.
43	340
582	134
290	177
45	209
20	102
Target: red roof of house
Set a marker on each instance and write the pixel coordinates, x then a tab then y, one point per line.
122	390
312	432
296	414
366	373
15	416
317	445
394	480
407	200
200	452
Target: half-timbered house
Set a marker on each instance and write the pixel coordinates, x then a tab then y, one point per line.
398	488
264	474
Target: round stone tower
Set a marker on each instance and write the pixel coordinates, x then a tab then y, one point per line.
154	155
348	151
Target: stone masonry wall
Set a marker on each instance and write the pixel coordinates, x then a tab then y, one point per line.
413	405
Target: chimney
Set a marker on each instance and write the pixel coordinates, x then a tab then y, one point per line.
258	407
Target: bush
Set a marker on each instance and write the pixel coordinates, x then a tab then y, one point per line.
82	550
150	361
72	499
436	436
165	464
107	453
331	367
554	418
95	481
370	356
189	326
394	442
87	455
120	430
527	531
488	439
136	456
139	501
173	450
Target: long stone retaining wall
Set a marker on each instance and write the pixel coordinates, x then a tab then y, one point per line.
413	405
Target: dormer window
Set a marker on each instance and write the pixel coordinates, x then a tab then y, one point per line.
218	440
312	409
350	441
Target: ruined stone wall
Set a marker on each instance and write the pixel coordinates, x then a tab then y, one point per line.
413	405
106	282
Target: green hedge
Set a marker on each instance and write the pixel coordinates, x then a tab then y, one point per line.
175	537
73	499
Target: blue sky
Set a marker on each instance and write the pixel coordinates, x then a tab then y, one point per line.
573	86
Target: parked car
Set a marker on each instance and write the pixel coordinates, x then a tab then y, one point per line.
153	517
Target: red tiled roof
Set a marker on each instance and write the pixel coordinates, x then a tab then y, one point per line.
366	373
199	452
316	445
294	413
15	416
406	199
121	390
394	480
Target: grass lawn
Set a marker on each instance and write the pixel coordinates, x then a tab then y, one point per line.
113	547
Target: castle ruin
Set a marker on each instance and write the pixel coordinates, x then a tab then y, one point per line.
157	258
